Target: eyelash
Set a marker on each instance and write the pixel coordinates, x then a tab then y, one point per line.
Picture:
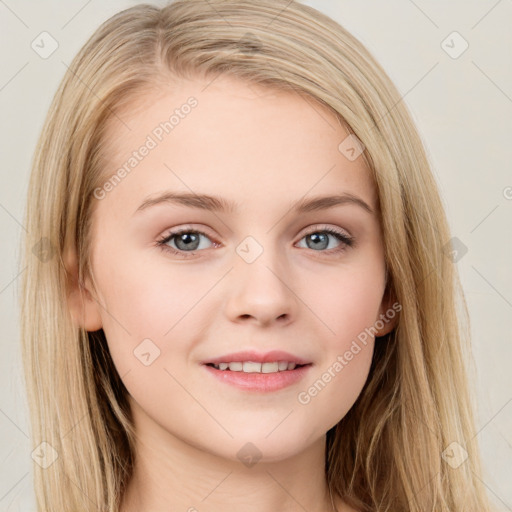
346	241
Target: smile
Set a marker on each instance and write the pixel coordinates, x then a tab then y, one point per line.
250	376
255	367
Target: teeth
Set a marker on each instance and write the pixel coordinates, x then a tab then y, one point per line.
269	367
253	367
250	367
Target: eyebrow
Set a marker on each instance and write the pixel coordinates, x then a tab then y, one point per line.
219	204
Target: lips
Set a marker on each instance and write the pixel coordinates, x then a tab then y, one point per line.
257	373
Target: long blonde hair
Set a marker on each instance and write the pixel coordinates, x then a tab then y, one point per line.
389	452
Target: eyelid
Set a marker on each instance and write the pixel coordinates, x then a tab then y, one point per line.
321	227
186	228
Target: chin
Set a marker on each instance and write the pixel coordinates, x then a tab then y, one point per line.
277	446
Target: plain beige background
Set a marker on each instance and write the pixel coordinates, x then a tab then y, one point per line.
451	60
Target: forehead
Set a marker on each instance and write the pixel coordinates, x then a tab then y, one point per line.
237	140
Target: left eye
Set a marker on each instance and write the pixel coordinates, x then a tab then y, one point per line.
188	240
319	238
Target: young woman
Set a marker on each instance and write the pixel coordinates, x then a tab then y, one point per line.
237	291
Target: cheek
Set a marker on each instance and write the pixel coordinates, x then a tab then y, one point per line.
148	297
335	387
348	308
346	303
143	301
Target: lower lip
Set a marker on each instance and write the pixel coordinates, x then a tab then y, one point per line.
262	382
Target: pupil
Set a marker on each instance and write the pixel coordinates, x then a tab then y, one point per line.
188	239
319	237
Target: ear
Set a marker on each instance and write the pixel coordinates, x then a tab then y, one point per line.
82	303
388	312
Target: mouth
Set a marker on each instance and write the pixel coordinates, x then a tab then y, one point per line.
256	367
261	373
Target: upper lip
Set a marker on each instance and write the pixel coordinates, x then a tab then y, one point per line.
257	357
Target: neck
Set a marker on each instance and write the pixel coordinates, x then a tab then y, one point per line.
171	474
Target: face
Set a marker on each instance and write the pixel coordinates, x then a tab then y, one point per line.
249	272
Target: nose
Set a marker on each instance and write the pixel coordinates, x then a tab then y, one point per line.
260	292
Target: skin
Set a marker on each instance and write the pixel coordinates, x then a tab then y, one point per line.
264	149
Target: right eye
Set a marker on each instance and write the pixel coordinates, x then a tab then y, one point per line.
185	240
